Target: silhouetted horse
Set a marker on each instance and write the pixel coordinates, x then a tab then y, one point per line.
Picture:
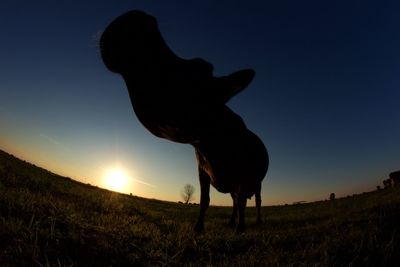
180	100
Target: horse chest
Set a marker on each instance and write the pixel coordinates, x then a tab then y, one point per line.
220	180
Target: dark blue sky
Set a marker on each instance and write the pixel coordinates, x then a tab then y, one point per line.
324	100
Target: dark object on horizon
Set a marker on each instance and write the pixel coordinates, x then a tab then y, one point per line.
395	178
299	202
180	100
387	183
378	187
332	196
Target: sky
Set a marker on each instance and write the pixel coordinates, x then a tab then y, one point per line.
325	99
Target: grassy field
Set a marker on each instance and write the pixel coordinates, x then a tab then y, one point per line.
48	220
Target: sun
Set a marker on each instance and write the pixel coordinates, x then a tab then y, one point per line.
116	179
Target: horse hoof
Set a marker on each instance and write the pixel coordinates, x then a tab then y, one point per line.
240	229
198	228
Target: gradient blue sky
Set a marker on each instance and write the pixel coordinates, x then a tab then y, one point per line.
325	99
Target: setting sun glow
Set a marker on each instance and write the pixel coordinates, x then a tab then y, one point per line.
116	179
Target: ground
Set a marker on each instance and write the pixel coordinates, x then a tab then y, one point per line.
48	220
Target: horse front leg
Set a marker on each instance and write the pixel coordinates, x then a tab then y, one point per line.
232	221
204	199
241	203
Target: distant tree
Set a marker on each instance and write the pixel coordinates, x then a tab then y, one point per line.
378	187
332	196
187	193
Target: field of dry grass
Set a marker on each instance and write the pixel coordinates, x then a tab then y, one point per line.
48	220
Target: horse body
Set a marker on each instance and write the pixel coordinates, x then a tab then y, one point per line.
180	100
235	163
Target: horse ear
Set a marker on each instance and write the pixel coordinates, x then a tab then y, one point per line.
237	82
